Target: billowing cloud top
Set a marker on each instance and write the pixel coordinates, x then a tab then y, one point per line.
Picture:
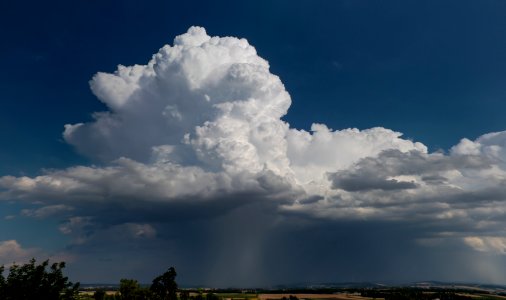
202	118
209	110
200	123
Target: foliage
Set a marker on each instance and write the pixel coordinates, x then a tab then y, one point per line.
99	295
112	297
32	281
184	295
198	297
131	290
211	296
164	287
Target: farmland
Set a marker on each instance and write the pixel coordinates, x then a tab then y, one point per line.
393	293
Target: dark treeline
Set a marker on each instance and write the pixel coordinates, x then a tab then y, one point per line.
37	281
164	287
34	281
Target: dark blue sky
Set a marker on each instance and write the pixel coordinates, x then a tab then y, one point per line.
430	69
433	70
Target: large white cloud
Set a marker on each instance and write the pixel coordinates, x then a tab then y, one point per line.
201	123
203	119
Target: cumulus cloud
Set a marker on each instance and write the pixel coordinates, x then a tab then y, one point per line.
387	170
11	252
197	133
412	185
201	121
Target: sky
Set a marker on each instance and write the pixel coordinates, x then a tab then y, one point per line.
255	143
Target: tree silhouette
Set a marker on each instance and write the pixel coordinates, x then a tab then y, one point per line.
99	294
32	281
164	287
184	295
212	296
2	282
128	288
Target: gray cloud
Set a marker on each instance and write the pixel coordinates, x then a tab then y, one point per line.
374	173
355	183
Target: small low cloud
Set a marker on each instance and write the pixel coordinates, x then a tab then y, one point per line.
12	252
487	244
47	211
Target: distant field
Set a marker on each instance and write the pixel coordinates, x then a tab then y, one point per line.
237	296
91	292
240	296
307	296
484	296
340	296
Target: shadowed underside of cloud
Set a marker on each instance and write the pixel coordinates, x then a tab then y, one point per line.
196	136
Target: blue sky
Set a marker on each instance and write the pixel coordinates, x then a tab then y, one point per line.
432	70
